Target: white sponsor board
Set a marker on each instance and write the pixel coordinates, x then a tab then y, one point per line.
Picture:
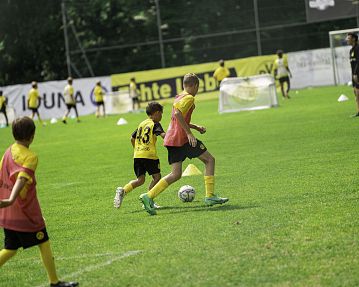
314	67
52	104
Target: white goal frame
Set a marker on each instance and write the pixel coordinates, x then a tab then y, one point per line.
334	55
118	102
247	93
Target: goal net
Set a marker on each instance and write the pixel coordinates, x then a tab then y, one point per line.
340	55
247	93
118	102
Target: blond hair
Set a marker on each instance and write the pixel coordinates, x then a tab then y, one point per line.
190	80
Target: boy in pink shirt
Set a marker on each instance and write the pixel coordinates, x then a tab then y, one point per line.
20	212
181	143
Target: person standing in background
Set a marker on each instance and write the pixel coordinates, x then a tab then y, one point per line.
220	73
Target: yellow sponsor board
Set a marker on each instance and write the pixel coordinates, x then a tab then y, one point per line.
154	85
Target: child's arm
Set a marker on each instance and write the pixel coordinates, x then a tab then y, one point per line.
192	140
201	129
19	185
133	138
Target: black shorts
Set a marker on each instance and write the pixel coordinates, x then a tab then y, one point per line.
34	110
16	239
3	109
135	100
283	80
354	84
100	103
143	165
180	153
70	106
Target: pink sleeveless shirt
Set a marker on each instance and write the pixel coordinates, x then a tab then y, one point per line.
175	134
24	214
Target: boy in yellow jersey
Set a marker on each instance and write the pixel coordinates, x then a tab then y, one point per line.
98	92
3	107
20	212
282	73
70	101
145	154
181	143
134	94
220	73
33	101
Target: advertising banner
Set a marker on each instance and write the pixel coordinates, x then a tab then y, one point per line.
51	102
166	83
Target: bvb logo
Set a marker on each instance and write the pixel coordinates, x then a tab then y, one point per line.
40	235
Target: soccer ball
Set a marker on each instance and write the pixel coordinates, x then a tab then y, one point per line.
186	193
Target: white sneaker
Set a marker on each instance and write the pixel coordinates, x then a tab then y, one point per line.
120	194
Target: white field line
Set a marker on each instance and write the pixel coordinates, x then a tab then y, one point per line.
96	266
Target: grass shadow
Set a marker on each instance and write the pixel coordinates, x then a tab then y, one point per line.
201	208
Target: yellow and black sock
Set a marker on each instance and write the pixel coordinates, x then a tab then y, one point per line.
209	185
158	188
128	188
48	261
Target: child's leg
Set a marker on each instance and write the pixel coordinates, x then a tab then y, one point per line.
155	178
5	255
134	183
209	162
6	119
282	89
175	175
48	261
103	109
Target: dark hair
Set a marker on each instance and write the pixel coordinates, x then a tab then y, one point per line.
23	128
354	35
153	107
221	63
133	79
190	80
280	52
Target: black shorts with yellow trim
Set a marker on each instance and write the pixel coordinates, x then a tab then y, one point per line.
34	110
16	239
180	153
71	106
284	80
143	165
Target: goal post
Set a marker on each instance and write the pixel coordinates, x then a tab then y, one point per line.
247	93
340	55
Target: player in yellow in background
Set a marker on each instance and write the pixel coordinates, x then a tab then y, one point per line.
33	101
282	73
145	153
98	92
220	73
70	100
20	212
3	101
134	94
182	144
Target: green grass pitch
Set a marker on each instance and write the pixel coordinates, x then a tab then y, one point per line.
291	174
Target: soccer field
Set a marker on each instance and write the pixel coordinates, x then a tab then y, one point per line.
292	219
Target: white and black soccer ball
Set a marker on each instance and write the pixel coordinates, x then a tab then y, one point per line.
186	193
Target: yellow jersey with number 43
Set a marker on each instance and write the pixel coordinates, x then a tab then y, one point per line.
145	139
